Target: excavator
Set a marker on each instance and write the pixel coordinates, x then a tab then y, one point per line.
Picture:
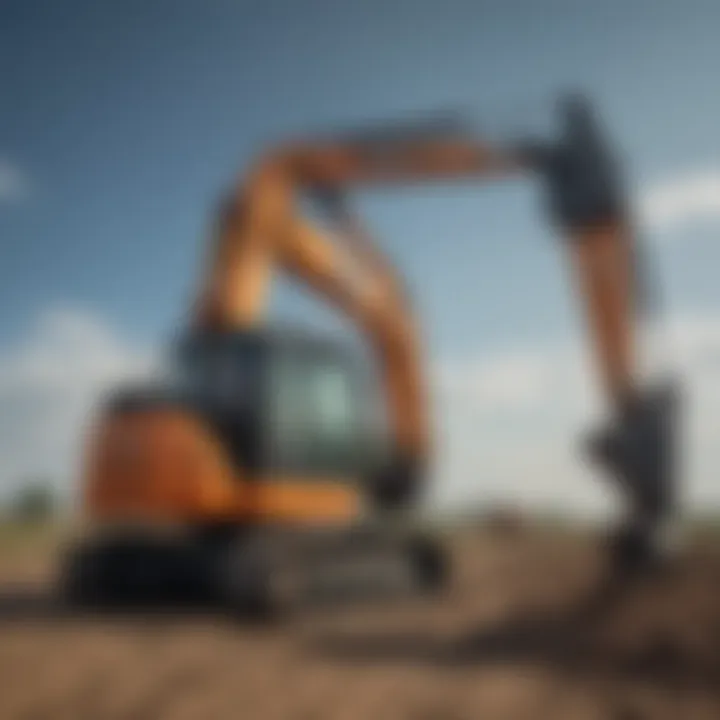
265	447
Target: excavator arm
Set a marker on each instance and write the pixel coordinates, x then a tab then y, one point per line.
435	152
263	229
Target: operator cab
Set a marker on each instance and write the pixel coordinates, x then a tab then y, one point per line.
286	404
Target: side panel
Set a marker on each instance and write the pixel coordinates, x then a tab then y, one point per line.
165	466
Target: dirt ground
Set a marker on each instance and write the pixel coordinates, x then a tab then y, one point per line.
527	630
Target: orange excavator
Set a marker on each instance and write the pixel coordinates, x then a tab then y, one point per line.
261	438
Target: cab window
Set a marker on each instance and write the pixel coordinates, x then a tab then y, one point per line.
316	415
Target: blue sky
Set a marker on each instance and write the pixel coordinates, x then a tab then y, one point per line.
121	123
128	119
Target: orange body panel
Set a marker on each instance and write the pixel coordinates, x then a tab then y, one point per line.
164	465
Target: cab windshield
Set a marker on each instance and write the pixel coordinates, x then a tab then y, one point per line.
222	373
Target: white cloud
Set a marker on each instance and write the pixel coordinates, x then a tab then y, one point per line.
13	183
49	383
508	423
686	198
508	426
512	380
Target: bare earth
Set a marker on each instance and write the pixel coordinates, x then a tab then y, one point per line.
526	631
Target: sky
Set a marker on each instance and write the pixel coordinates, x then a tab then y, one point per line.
122	123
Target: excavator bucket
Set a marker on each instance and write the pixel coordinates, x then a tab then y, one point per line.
639	451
